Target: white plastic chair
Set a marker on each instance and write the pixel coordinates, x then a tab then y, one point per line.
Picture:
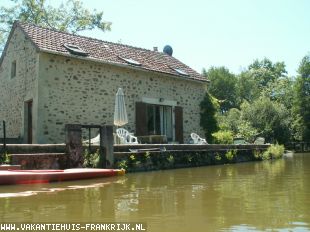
126	137
197	140
259	141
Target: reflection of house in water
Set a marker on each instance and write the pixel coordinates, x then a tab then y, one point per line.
50	78
158	195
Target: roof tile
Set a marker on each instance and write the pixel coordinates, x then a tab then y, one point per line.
52	40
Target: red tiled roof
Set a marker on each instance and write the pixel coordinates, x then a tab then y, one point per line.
53	41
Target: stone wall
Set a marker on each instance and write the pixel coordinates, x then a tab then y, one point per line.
53	156
14	92
144	157
147	161
40	161
67	90
83	92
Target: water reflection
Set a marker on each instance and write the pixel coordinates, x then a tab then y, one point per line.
258	196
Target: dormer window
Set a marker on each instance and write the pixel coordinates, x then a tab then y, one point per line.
75	50
130	61
13	69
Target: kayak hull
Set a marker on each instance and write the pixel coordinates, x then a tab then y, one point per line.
47	176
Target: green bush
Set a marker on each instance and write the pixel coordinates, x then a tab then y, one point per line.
223	137
122	164
170	159
208	109
218	157
266	155
91	160
146	158
5	158
257	154
231	154
275	151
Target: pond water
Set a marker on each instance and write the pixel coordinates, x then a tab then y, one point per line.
256	196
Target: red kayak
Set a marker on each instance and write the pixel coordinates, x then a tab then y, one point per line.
46	176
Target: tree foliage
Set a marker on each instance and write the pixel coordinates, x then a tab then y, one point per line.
246	88
223	137
263	101
222	86
302	98
208	109
280	90
70	17
271	119
265	71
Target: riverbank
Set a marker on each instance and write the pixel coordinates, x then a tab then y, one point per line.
143	157
203	155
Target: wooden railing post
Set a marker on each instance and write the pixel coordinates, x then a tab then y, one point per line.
107	141
74	146
4	135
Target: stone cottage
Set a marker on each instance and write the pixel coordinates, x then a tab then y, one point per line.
50	78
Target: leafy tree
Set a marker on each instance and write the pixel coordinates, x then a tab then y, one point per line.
302	98
208	109
230	120
261	101
234	122
247	88
262	117
247	131
264	78
70	17
223	137
280	90
222	86
271	119
265	71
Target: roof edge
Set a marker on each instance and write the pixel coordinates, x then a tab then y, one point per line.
15	25
28	37
86	37
18	24
123	66
8	41
107	42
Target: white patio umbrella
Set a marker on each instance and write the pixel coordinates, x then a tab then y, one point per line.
120	113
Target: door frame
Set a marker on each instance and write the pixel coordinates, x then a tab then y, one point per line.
163	102
28	121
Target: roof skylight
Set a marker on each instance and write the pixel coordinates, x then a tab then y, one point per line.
181	72
130	61
75	50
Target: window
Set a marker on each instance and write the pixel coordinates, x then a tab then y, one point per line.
75	50
153	118
13	69
159	120
130	61
181	72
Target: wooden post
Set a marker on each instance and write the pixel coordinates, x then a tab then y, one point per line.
107	141
74	146
4	136
302	146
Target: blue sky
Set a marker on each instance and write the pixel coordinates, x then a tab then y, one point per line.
205	33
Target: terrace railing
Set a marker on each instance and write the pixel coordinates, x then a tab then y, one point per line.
74	144
300	146
4	136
